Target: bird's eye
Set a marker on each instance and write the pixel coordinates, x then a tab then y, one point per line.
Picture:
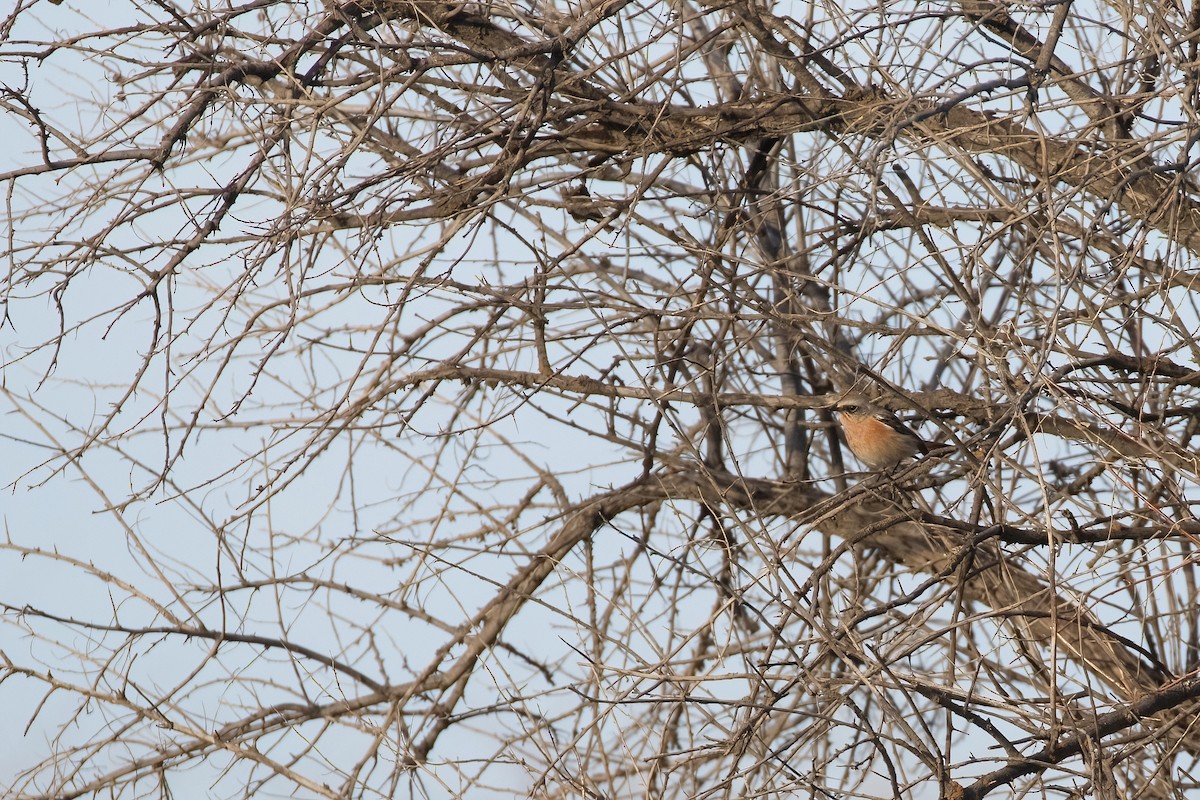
852	408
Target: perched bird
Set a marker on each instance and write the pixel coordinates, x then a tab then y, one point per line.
875	435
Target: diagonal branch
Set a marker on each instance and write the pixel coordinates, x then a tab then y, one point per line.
1168	697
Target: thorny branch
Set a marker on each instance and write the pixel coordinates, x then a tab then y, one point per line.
345	317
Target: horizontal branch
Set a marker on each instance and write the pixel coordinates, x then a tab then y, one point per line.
1116	442
58	164
579	384
219	637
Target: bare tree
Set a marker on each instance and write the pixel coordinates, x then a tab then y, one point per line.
421	399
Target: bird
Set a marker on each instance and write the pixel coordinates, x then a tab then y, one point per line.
875	435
